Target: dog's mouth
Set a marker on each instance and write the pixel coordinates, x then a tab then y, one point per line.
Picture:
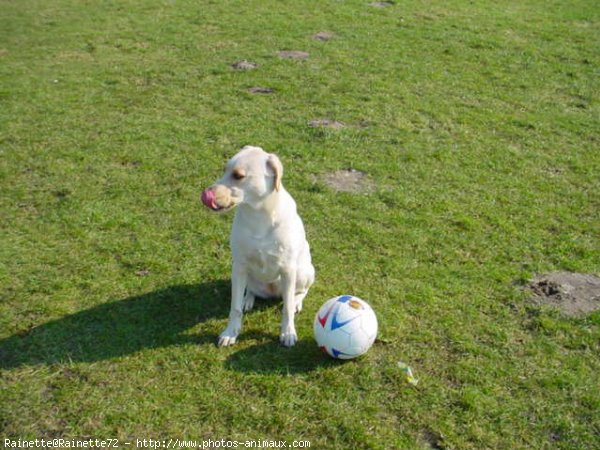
209	199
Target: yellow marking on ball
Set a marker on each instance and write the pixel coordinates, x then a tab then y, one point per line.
355	304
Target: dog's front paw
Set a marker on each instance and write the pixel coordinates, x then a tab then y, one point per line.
288	337
228	337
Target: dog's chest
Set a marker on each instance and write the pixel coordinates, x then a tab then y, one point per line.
263	257
262	245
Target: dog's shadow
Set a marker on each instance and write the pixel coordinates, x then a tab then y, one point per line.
121	327
154	320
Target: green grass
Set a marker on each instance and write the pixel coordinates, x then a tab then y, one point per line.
478	123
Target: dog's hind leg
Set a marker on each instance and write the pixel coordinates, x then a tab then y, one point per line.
299	298
304	280
248	300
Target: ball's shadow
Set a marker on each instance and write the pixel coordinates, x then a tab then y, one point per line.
270	357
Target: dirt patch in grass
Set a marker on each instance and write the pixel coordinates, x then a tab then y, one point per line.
244	65
433	439
574	294
326	123
293	54
381	4
133	164
260	90
349	180
323	36
142	273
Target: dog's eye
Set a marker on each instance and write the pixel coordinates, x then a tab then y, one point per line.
238	175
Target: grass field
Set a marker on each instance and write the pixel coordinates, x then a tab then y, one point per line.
478	125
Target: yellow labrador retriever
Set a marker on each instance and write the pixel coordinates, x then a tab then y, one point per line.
271	257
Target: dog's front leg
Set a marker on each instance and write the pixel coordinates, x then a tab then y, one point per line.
239	279
288	335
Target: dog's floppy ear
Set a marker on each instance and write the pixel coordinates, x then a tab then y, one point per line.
274	164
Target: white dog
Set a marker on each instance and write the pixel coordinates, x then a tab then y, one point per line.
271	257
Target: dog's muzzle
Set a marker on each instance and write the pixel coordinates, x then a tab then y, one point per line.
209	199
218	198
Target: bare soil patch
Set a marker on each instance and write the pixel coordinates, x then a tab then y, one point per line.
142	273
381	4
244	65
293	54
433	439
574	294
349	180
323	36
326	123
260	90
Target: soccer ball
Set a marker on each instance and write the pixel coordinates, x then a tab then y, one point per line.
345	327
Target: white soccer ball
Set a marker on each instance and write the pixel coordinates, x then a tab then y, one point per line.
345	327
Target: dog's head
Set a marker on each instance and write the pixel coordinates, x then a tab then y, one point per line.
250	176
